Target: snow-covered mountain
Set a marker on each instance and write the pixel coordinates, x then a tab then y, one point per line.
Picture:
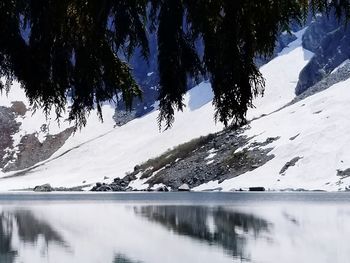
101	150
305	140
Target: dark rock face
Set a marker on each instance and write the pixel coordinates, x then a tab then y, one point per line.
8	127
317	30
32	151
329	40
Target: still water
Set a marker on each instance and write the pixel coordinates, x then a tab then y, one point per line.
175	227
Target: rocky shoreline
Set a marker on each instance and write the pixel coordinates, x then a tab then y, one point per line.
103	187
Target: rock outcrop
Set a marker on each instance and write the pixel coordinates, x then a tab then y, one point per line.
8	127
329	39
31	151
43	188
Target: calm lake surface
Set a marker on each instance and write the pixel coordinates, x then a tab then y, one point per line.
175	227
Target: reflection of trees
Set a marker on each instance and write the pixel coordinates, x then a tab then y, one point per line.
29	229
216	226
123	259
7	253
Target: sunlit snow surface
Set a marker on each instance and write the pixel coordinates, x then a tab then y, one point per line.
281	76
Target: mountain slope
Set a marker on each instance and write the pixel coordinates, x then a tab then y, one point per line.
117	151
311	151
30	136
97	154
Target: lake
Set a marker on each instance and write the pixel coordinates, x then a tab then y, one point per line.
175	227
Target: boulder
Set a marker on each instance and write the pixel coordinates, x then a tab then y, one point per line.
162	189
43	188
104	188
123	183
130	177
116	187
98	185
256	189
184	188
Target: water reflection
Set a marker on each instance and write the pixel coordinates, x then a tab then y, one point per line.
23	225
30	228
131	232
7	253
123	259
217	226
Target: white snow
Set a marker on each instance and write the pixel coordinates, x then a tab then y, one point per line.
210	162
210	156
212	150
281	76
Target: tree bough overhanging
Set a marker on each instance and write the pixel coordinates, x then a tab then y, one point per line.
74	49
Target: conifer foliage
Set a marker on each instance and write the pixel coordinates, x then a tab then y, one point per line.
78	49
